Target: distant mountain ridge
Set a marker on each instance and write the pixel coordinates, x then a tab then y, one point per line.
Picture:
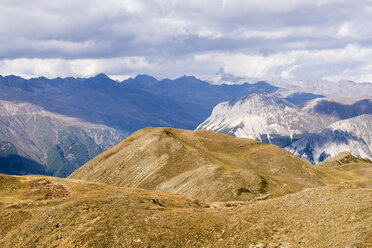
301	97
273	120
345	88
128	105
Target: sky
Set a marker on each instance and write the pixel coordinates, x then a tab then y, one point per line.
291	39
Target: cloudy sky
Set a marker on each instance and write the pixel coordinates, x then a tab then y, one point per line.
291	39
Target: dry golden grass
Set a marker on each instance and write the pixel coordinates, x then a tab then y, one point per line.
205	165
359	168
39	211
331	206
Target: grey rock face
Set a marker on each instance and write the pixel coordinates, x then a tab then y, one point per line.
353	135
37	141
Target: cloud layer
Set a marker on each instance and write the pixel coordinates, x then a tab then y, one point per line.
303	39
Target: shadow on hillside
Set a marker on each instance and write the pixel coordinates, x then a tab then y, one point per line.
18	165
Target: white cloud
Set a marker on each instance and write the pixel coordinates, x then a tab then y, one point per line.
350	62
117	67
303	39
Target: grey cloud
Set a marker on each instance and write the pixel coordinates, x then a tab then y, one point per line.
164	30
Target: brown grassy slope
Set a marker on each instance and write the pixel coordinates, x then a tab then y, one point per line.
40	211
346	161
203	164
359	168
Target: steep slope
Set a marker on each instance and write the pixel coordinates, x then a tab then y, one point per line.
13	163
54	212
353	135
33	140
273	120
264	117
203	164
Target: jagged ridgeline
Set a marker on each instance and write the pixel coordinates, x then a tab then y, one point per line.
129	105
56	125
203	164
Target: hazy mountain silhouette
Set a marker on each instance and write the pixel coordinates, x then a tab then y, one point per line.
129	105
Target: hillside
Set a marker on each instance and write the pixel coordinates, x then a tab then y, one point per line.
40	211
352	135
202	164
346	161
33	140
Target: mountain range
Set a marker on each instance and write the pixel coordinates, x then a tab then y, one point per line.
188	188
53	126
264	117
59	124
304	129
129	105
345	88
